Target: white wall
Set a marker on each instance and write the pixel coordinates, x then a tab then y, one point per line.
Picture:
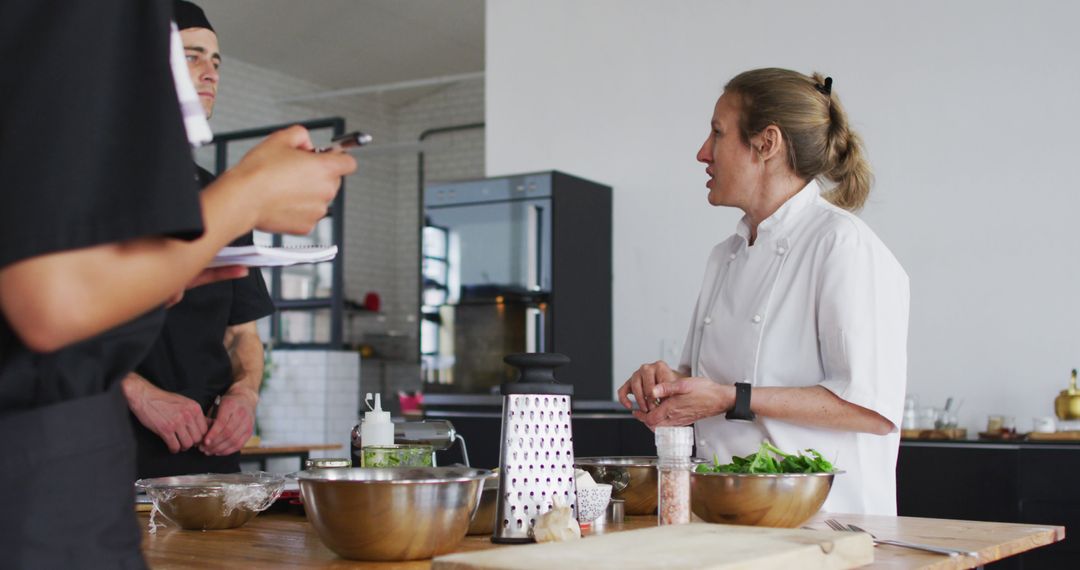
968	109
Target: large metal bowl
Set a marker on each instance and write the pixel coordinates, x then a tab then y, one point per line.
784	500
483	520
632	479
391	513
212	501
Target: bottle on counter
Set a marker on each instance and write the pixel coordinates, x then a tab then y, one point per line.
376	429
674	445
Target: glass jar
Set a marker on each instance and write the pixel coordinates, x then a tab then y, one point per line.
673	448
399	455
327	463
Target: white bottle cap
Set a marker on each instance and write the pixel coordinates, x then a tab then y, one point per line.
376	429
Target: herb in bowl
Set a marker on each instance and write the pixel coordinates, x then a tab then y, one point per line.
770	459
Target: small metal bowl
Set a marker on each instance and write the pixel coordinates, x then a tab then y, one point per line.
783	500
212	501
632	479
391	514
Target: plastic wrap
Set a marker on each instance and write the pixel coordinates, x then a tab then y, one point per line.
210	501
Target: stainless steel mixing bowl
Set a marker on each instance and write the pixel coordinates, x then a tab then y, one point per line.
784	500
632	479
391	513
483	520
212	501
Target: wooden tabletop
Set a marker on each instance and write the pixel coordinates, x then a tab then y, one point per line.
286	448
280	540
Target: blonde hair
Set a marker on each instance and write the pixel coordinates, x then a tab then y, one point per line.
814	124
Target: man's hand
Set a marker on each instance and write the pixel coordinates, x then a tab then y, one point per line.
686	401
234	423
642	382
177	420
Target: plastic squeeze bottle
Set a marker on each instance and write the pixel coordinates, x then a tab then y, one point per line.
376	427
673	448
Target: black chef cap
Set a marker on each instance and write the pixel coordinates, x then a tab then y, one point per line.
189	15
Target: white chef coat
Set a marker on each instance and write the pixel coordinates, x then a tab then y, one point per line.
817	300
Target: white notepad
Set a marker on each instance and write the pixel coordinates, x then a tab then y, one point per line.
267	256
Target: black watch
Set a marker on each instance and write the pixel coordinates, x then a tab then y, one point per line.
741	410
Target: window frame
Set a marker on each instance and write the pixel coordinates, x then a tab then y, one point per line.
336	212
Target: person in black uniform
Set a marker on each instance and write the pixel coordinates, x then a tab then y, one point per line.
100	223
209	345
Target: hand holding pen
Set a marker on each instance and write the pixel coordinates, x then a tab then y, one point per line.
346	141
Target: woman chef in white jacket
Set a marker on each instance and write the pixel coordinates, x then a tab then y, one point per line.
799	335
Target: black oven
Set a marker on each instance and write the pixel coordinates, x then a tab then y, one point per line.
515	264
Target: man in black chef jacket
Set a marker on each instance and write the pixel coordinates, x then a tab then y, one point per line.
100	222
209	345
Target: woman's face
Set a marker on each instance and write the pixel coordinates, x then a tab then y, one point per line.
729	161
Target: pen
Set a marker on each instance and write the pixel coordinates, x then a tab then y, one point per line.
212	412
347	140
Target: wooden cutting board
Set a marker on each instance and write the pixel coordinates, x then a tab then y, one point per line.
691	546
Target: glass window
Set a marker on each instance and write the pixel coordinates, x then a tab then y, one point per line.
305	326
309	297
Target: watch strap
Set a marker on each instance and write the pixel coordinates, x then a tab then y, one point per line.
741	410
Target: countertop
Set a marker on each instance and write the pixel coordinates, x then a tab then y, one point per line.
989	444
281	540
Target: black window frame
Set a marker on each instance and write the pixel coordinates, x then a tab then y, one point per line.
336	212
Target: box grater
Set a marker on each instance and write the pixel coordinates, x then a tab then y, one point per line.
536	462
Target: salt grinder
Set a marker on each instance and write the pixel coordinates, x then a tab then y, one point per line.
536	462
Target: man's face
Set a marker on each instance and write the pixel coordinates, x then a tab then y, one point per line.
203	59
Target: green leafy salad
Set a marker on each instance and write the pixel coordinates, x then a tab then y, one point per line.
769	459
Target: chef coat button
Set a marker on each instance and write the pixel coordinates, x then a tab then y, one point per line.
708	320
757	318
732	256
781	250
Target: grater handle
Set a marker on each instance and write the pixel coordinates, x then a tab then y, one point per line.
536	367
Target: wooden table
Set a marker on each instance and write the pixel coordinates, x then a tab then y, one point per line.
279	540
261	453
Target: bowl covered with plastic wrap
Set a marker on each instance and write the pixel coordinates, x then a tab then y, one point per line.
211	501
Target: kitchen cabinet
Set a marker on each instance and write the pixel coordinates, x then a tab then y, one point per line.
991	481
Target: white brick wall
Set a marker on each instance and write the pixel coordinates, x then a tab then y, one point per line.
381	249
311	396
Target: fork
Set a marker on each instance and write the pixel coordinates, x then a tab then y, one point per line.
837	525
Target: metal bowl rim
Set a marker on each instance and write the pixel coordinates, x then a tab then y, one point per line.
192	482
323	475
770	475
624	461
617	461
